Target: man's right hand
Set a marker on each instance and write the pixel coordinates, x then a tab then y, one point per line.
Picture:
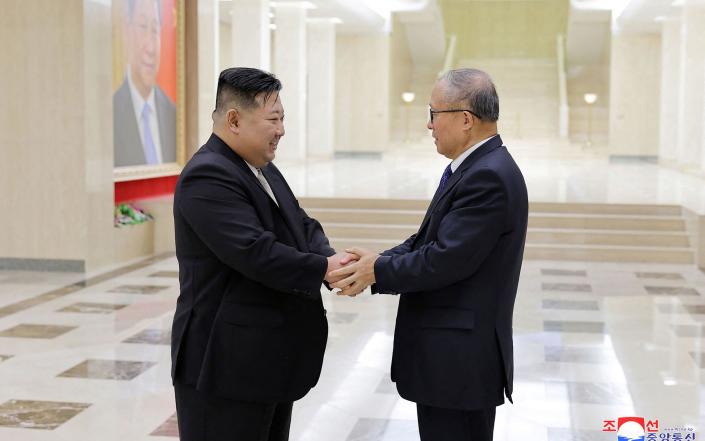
338	261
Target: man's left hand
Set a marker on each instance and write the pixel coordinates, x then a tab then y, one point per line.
355	276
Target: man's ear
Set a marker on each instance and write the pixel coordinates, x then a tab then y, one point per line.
233	120
468	121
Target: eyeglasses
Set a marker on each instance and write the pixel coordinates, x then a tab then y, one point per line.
432	112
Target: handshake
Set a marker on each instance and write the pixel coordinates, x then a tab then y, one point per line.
352	271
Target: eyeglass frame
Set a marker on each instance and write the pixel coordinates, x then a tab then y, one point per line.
431	112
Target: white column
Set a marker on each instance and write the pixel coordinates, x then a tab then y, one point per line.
250	34
634	94
692	75
208	66
321	87
670	80
290	66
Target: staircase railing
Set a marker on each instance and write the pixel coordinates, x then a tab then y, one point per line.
450	55
563	109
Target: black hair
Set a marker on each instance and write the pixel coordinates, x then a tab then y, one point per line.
243	85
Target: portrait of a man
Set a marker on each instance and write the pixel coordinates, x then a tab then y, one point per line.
144	116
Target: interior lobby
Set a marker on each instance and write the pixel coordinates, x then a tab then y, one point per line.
602	106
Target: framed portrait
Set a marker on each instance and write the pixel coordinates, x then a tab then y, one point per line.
148	88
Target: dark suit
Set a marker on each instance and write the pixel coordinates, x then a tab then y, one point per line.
249	325
458	277
127	142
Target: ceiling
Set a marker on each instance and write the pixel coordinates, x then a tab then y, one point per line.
356	16
645	16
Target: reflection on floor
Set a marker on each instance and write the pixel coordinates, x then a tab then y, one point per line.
593	342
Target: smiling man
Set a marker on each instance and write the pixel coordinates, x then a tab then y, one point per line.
249	330
458	275
144	118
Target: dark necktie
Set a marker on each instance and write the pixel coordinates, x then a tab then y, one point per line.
444	179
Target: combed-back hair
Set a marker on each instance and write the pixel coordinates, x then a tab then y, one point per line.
473	88
242	86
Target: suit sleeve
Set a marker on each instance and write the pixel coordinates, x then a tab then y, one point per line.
402	248
466	236
316	238
222	216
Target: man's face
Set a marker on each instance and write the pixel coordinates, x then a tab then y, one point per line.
261	129
446	128
144	44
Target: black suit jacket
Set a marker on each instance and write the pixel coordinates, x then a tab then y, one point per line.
127	143
249	321
458	278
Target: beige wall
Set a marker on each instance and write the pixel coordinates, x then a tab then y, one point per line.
505	29
635	85
55	155
589	79
362	93
56	144
225	47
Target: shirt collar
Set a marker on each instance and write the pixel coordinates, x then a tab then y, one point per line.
137	99
252	168
459	160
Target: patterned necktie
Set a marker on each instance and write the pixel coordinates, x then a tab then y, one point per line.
444	179
265	184
150	151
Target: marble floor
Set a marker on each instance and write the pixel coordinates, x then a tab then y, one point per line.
87	358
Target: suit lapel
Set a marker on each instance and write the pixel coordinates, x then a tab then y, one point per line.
286	206
490	145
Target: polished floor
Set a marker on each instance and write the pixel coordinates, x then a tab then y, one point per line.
88	358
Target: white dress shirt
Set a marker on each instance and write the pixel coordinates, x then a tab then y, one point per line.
262	180
459	160
138	102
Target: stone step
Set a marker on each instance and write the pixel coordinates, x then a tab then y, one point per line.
534	207
610	254
559	221
535	236
561	252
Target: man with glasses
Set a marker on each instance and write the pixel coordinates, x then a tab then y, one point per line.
458	275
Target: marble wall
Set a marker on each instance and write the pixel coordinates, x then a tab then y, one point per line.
682	118
505	29
362	93
635	95
55	126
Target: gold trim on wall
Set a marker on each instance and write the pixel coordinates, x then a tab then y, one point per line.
181	84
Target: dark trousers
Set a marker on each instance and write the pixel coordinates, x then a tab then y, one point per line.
437	424
203	417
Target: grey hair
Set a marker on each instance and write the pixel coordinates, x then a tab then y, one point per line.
473	88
